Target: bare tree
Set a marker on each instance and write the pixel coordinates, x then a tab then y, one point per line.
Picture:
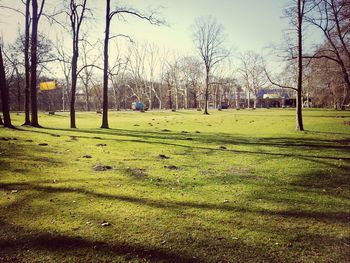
4	94
297	13
332	18
252	72
86	72
36	14
76	14
192	69
119	11
136	66
65	60
27	64
208	37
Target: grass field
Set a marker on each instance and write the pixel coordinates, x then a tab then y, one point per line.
234	186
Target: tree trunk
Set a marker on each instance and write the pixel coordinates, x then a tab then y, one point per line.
105	68
150	97
248	99
1	123
74	84
299	116
345	98
19	92
195	99
34	63
27	65
206	93
237	99
116	101
170	99
4	94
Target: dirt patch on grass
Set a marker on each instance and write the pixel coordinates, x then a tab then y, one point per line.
102	168
136	172
163	156
172	167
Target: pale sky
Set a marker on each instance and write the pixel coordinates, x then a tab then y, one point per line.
249	24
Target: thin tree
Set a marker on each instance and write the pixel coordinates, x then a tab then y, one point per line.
36	14
4	94
27	23
121	11
76	15
299	100
297	13
27	64
252	72
209	38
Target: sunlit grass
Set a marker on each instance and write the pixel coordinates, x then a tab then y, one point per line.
238	186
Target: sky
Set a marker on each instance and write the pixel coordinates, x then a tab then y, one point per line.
249	24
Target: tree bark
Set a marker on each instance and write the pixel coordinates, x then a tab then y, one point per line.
206	92
4	94
34	61
195	99
170	99
299	116
27	65
248	99
105	68
74	85
76	20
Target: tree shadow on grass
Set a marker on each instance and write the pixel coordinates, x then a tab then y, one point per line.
179	205
76	247
167	139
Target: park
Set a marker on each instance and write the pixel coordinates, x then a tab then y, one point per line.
234	186
175	131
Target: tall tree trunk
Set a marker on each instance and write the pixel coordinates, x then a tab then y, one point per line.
105	68
1	123
4	94
19	91
170	99
150	97
248	99
34	62
299	116
176	95
345	98
237	99
195	99
76	19
27	65
74	85
206	93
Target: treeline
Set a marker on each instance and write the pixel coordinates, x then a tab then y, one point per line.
116	71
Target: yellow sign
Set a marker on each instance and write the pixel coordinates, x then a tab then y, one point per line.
48	85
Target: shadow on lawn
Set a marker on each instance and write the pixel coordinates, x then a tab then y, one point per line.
302	144
178	205
78	247
31	153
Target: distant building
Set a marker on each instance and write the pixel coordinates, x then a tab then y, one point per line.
275	98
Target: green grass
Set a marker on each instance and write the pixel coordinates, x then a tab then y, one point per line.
247	188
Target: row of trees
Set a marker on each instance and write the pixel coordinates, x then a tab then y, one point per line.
163	80
76	11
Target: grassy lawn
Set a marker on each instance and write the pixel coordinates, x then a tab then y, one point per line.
234	186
